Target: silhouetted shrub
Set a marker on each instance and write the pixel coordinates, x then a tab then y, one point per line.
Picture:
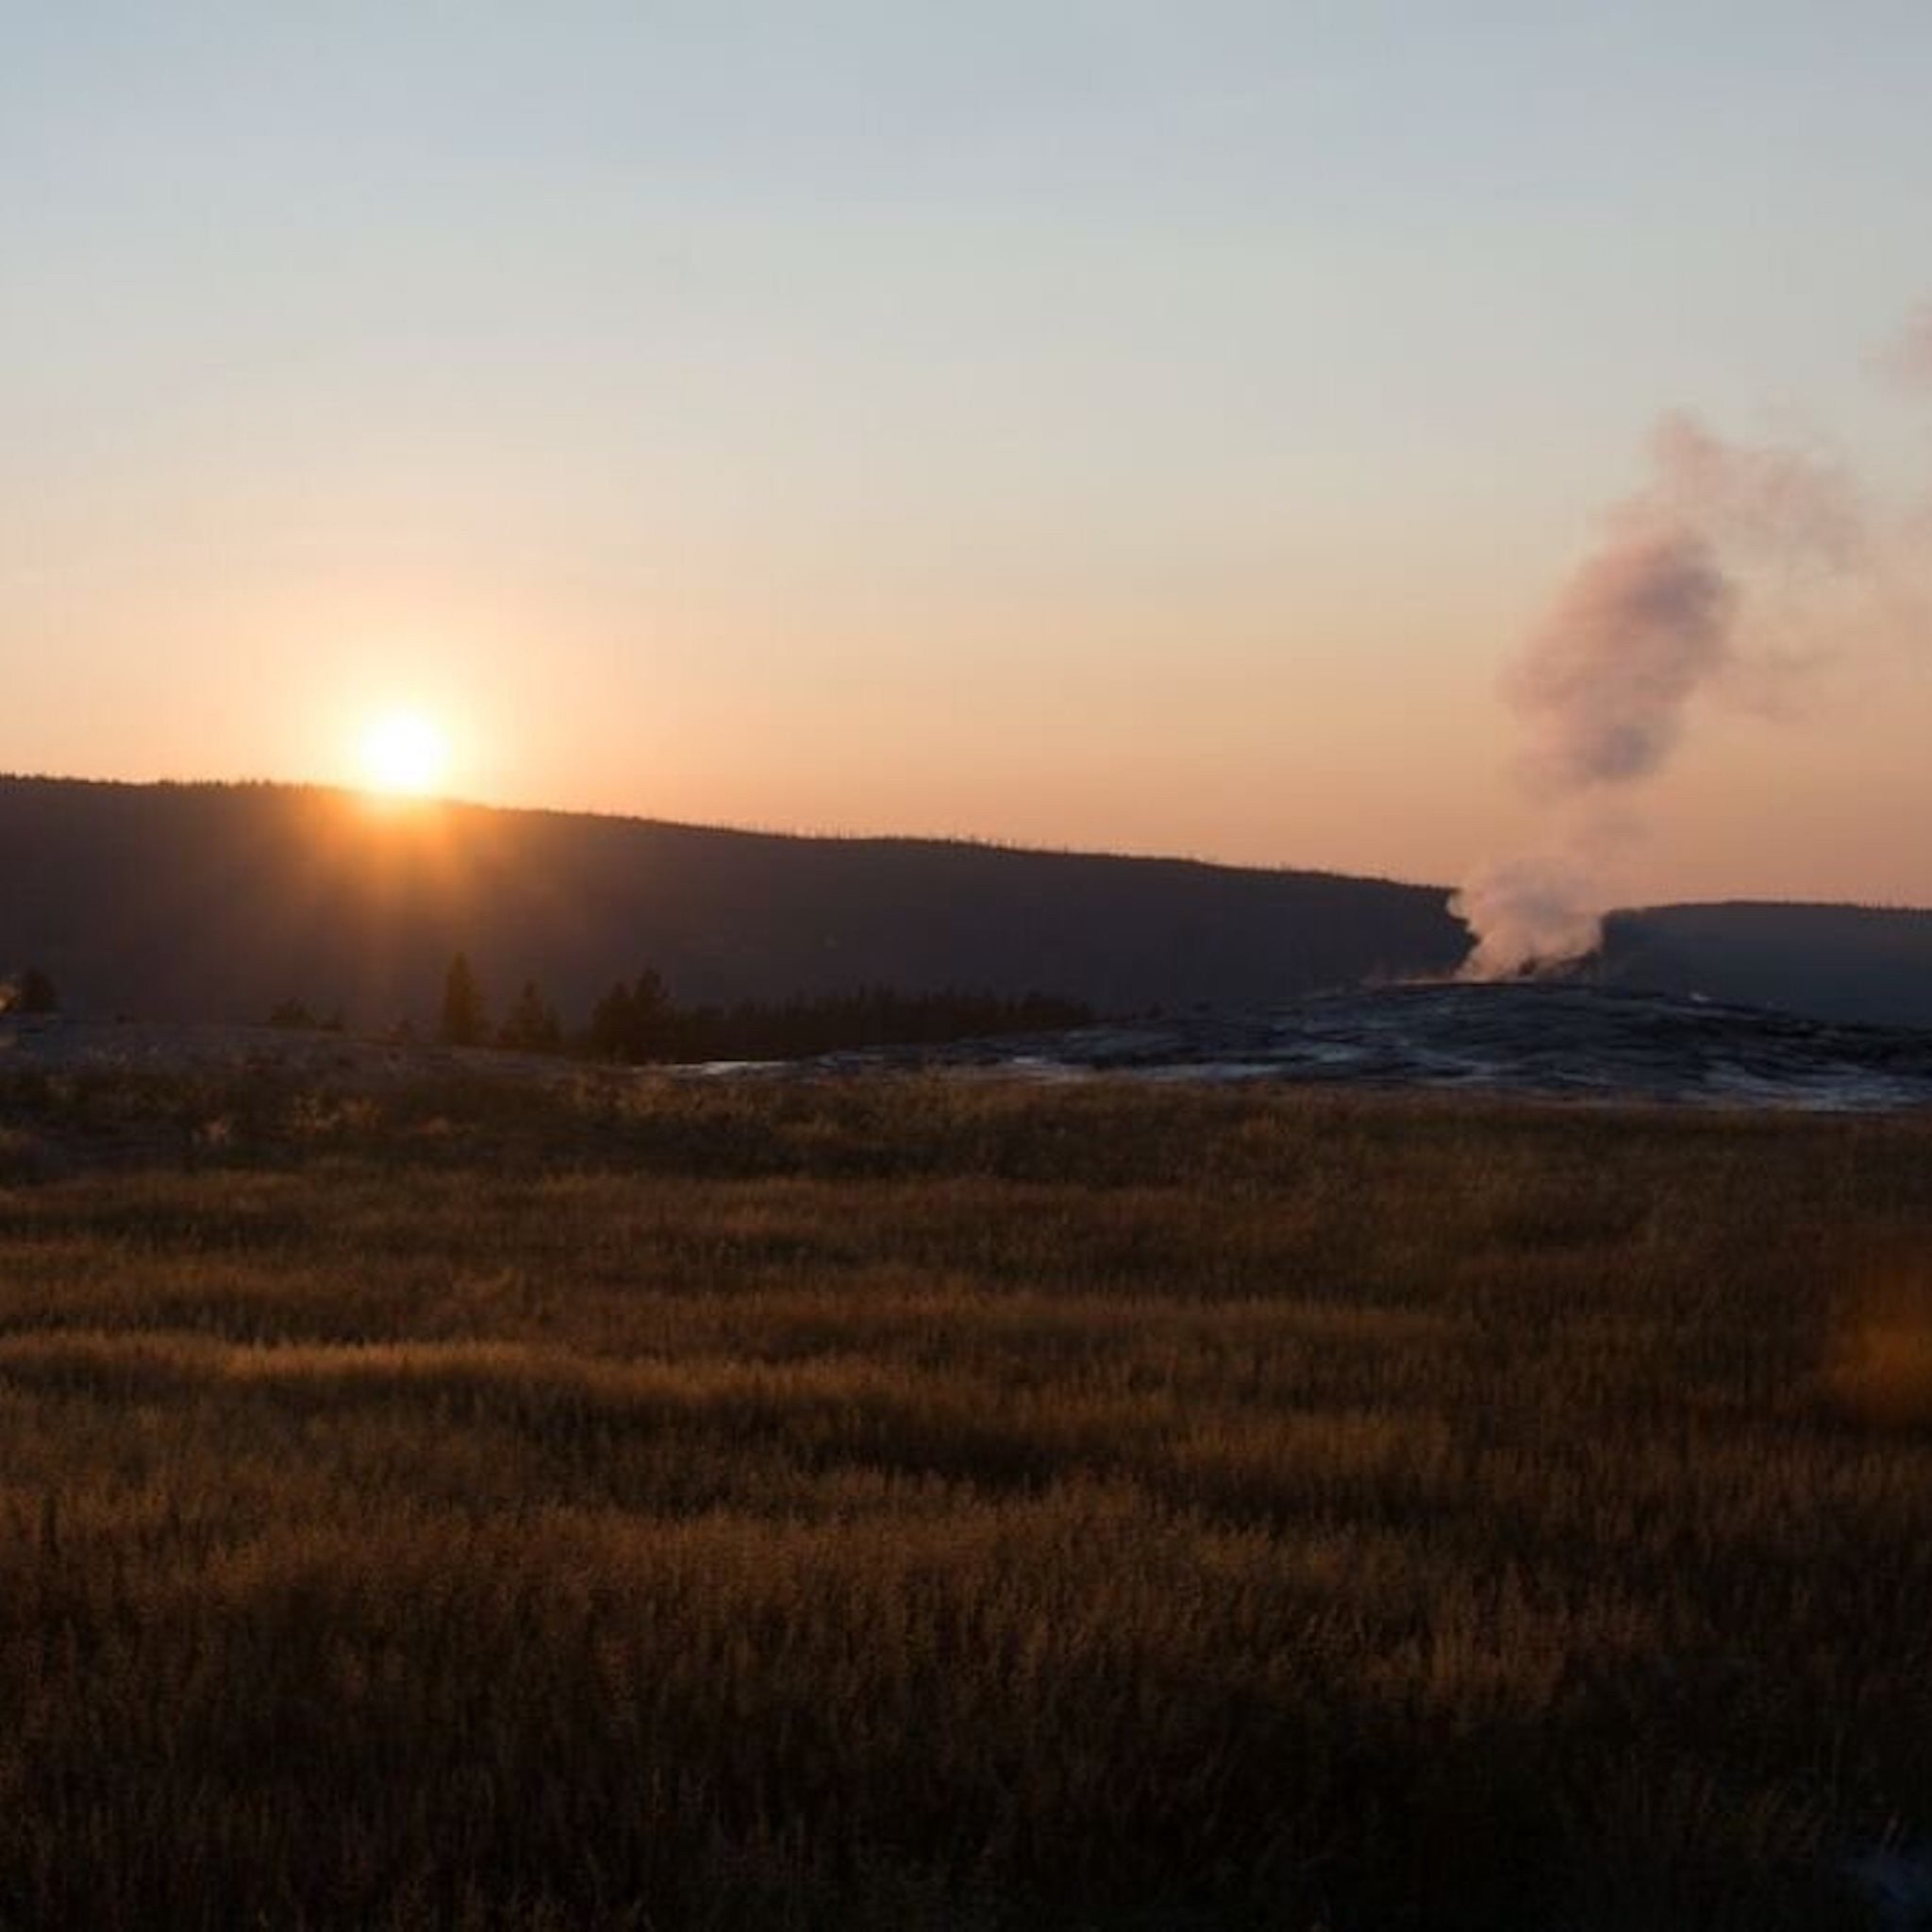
35	993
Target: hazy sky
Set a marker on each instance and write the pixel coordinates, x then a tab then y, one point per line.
1090	425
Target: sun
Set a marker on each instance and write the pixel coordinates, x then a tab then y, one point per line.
404	754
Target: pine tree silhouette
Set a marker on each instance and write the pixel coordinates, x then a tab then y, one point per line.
463	1020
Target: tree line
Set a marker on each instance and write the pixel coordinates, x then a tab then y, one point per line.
638	1022
642	1021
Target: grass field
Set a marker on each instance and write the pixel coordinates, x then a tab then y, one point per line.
899	1503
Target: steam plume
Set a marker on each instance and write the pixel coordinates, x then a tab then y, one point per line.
1638	628
1529	911
1907	360
1650	621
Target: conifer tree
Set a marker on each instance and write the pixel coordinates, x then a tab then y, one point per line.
531	1026
463	1022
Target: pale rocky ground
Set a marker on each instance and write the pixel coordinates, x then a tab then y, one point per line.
1551	1040
1555	1038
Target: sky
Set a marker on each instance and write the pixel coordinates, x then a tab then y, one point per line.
1119	426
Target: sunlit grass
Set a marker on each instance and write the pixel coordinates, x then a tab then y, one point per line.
915	1504
1881	1364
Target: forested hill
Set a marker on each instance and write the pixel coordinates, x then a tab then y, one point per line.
1839	962
220	902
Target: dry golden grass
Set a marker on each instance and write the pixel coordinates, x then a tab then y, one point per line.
1881	1367
906	1504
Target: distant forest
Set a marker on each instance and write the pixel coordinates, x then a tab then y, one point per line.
1835	962
202	902
209	902
640	1022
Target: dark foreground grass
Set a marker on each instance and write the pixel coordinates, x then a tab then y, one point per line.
904	1504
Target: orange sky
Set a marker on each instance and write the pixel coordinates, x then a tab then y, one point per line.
1162	443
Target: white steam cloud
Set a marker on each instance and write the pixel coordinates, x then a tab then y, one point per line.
1637	631
1528	913
1907	360
1654	619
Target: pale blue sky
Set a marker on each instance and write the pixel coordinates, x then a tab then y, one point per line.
1149	427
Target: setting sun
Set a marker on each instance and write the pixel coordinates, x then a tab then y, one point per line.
403	754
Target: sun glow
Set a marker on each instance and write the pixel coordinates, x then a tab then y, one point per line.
404	754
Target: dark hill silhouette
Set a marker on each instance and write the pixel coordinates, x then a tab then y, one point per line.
220	902
1838	962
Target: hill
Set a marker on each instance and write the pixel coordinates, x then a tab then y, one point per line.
216	902
1835	962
